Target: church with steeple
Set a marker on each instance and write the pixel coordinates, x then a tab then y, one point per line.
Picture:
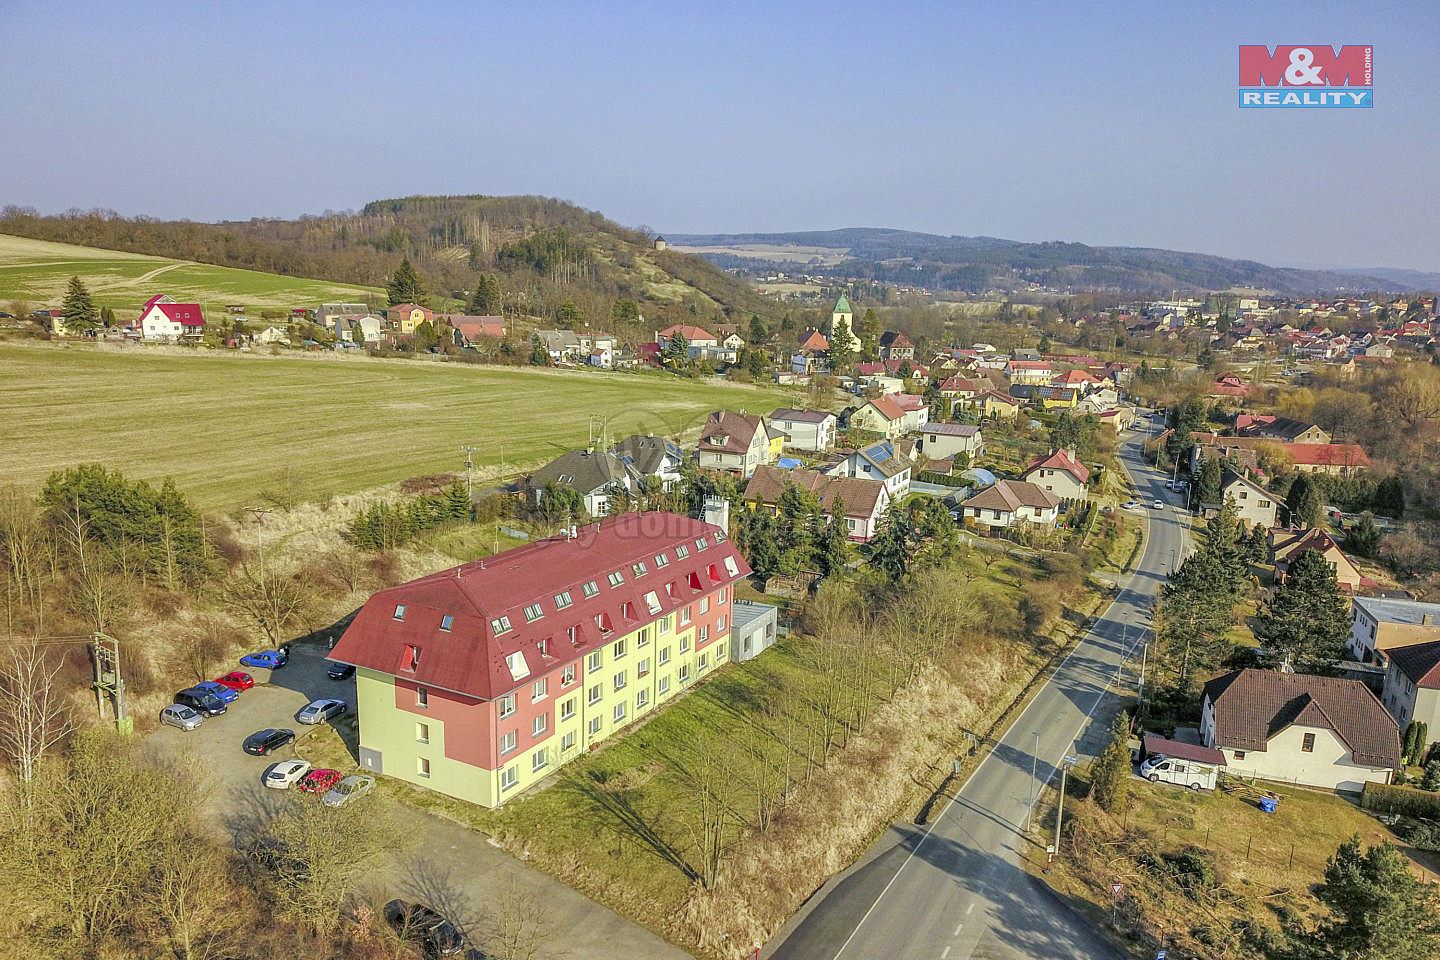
842	324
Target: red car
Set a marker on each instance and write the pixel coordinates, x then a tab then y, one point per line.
319	781
236	680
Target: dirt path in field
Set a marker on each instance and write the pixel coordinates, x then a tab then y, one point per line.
143	278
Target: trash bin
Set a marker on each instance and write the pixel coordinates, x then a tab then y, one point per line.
1268	804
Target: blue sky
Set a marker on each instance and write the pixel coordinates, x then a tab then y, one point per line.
1102	123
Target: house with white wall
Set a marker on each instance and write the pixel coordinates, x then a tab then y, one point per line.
945	441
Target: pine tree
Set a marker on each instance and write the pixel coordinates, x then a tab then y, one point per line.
890	547
758	334
539	356
840	355
568	316
406	286
424	336
1431	780
870	334
677	351
457	502
1207	484
1304	503
1378	909
1390	496
81	314
624	311
1363	539
486	301
835	551
1110	781
1306	620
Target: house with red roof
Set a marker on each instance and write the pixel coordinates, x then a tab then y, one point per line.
1412	684
1287	543
1011	503
735	443
162	320
1228	385
881	415
694	336
1060	473
407	316
917	411
1029	371
1336	459
865	501
484	679
894	345
963	389
469	331
1080	381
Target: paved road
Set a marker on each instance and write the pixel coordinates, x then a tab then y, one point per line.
452	868
957	889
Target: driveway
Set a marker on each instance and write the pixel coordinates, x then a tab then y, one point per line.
453	868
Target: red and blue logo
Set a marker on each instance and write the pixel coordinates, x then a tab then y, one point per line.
1316	75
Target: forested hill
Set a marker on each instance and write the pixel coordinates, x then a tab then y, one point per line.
978	264
543	252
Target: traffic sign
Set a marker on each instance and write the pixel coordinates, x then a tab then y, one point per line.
1115	888
1160	955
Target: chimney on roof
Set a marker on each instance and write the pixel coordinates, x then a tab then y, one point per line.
457	573
1427	619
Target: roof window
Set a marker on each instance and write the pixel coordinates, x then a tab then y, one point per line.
399	611
500	625
447	621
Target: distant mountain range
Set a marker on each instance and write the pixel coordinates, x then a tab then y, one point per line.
983	264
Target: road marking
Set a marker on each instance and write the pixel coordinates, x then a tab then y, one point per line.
969	908
958	928
944	953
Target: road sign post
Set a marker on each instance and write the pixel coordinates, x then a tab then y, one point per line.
1115	889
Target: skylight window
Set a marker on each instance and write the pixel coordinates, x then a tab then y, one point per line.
399	611
681	552
447	621
719	537
518	667
617	578
638	568
702	544
652	601
500	625
662	560
533	613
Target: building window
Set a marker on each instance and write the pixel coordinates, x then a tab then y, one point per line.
562	600
704	661
500	625
507	742
719	537
662	560
422	697
664	656
447	621
664	626
399	611
567	741
618	650
643	637
720	624
704	605
704	634
652	602
567	676
422	765
567	709
595	724
641	699
684	616
702	544
685	673
1307	745
537	690
596	692
538	725
1239	754
663	687
533	613
539	761
681	552
509	777
619	713
616	578
544	647
720	653
638	568
684	644
422	732
722	595
507	705
593	663
412	656
589	588
620	680
642	669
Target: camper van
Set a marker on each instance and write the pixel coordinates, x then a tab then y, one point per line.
1186	773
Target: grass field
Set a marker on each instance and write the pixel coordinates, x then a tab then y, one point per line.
225	426
37	271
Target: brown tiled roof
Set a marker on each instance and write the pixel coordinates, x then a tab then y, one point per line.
727	432
860	495
1252	706
1011	495
888	408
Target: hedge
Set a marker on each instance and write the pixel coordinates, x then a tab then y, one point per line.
1407	801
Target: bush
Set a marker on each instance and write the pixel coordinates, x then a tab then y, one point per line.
1193	868
1406	801
1426	836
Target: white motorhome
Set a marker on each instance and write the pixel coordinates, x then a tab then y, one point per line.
1184	764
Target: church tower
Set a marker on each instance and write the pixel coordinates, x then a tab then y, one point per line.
842	324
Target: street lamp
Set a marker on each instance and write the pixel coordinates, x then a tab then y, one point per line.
1065	765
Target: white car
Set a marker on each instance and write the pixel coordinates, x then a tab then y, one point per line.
348	789
318	711
286	773
1131	505
1159	504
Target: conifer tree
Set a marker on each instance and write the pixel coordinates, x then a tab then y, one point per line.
406	286
1109	784
1306	621
81	314
486	300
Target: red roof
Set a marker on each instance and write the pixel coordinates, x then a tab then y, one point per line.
187	314
888	408
960	384
690	333
908	401
1061	460
1183	751
1328	454
1029	365
815	341
469	658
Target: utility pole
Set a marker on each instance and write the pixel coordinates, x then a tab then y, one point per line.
1065	765
1034	780
257	513
469	468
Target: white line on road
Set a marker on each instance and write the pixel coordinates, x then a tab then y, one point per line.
944	953
957	930
969	908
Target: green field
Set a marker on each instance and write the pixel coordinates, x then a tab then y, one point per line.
37	271
226	425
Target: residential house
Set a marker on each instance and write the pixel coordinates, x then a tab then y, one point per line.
470	331
1255	505
997	405
917	411
594	474
882	461
484	679
1029	371
1412	684
1228	385
1081	381
1297	728
842	324
329	313
963	389
1336	459
603	358
360	329
812	430
1287	543
1118	419
694	336
272	335
734	442
1285	429
1049	398
1010	503
1062	474
894	345
881	415
561	345
407	316
1381	624
651	456
162	320
753	629
945	441
810	355
865	500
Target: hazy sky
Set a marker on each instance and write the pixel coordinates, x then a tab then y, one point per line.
1103	123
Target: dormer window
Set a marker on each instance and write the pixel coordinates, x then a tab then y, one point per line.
399	611
447	621
533	613
518	667
731	567
719	537
412	657
589	589
500	625
617	578
681	552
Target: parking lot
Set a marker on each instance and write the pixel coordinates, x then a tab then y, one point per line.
454	869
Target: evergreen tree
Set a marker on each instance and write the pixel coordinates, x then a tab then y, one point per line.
487	300
1307	620
1410	744
1390	496
81	314
624	311
676	352
539	356
756	538
568	316
1379	910
107	317
1304	503
424	336
1207	483
755	363
890	547
1363	539
1110	780
406	286
834	548
758	335
457	502
840	355
905	369
1223	534
1197	609
1431	780
1257	545
870	334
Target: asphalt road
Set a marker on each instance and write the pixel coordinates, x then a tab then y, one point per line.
957	889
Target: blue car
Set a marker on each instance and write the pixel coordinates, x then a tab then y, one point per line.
269	659
225	694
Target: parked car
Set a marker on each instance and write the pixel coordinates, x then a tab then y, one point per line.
1131	504
285	773
267	659
320	781
267	741
340	671
420	924
201	701
348	789
226	694
236	680
179	715
319	711
1159	504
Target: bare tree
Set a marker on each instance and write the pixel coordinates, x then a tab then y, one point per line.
272	600
22	555
704	780
33	713
519	925
185	889
205	643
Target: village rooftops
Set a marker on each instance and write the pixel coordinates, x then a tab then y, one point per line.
1062	460
1009	496
1394	610
1420	662
727	432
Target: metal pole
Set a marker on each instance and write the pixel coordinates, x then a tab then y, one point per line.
1060	806
1034	780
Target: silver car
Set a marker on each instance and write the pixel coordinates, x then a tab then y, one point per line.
179	715
318	711
348	789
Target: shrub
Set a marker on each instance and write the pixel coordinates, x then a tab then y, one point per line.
1426	836
1193	868
1406	801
